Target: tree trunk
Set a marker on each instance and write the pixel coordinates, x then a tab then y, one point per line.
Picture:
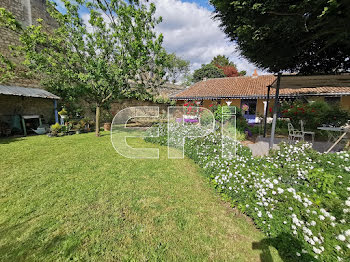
97	131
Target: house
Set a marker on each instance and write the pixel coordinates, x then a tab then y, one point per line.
253	91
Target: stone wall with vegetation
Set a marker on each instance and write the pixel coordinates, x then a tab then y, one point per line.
162	101
26	12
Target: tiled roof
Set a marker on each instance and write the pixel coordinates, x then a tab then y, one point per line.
247	87
228	87
314	91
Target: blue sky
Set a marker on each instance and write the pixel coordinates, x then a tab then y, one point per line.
203	3
191	33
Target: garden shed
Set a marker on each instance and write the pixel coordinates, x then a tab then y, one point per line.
23	108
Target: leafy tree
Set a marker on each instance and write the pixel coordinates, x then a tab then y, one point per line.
188	80
229	68
242	73
222	60
207	71
303	36
176	67
113	53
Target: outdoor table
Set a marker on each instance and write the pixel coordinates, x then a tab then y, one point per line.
329	130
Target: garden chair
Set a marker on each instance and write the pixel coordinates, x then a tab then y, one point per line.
293	133
307	132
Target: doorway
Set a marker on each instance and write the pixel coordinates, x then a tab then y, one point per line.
249	114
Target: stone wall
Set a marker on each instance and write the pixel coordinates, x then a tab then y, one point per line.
88	110
18	105
168	89
118	106
8	37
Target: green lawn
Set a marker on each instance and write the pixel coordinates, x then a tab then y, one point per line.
75	198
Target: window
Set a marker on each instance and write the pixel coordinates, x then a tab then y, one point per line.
251	103
332	100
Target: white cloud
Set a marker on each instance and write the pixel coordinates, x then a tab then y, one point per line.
191	33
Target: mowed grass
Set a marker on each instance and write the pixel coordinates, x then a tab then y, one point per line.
74	198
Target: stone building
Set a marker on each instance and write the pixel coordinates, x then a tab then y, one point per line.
23	105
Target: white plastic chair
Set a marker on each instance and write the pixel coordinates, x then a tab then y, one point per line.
293	133
307	132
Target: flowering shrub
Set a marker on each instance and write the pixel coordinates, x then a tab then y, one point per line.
314	114
191	108
298	197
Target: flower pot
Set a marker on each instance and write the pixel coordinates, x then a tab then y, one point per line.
107	126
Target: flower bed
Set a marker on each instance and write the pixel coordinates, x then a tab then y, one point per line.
298	197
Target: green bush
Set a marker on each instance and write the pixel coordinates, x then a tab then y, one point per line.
55	129
242	124
222	113
206	117
314	114
232	132
255	129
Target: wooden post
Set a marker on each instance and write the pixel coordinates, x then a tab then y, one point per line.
275	107
24	127
267	108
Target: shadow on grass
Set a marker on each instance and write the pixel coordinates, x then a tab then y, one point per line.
286	245
21	243
8	140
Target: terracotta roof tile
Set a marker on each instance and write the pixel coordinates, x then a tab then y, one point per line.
245	87
315	90
228	87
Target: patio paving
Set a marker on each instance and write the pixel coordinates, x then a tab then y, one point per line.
261	147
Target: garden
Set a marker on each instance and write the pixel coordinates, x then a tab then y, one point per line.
74	198
298	197
313	114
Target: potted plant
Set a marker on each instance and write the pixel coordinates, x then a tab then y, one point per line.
107	126
245	107
107	119
54	129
